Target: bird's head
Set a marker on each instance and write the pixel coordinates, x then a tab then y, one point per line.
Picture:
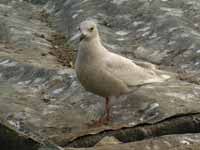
88	30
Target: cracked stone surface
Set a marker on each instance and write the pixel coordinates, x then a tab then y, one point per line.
43	100
174	142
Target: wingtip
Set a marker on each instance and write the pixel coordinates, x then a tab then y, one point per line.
165	76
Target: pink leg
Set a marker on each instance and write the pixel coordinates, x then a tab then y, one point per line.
106	118
107	109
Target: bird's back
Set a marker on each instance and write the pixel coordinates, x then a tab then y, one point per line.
132	74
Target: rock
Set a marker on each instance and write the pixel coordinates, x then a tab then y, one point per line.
187	147
108	141
20	34
12	140
174	142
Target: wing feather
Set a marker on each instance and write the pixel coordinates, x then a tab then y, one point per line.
129	72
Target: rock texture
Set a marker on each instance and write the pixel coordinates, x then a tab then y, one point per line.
43	101
174	142
23	35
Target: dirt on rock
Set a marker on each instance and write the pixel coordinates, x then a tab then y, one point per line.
62	51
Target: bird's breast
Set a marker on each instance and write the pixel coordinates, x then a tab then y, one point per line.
90	77
94	79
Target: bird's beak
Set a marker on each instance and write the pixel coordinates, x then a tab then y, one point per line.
82	36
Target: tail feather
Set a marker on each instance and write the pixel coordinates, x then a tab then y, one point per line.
165	75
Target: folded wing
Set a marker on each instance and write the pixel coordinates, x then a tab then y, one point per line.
130	73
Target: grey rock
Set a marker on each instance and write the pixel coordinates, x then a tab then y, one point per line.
108	140
12	140
23	36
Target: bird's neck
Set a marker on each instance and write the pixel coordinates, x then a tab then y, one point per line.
94	47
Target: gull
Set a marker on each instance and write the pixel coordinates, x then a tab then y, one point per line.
108	74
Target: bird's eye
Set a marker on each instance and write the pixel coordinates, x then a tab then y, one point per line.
91	29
